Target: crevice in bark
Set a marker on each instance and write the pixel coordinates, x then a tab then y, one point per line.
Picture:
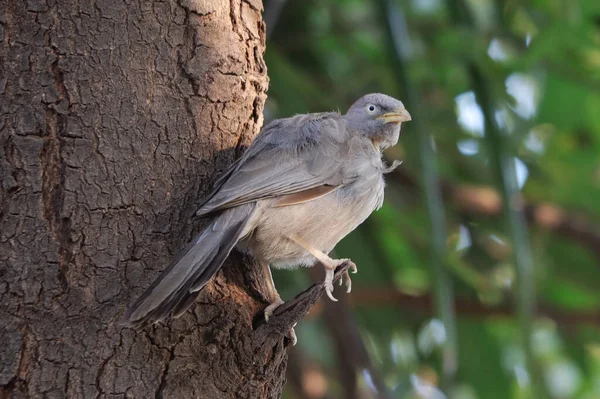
164	374
59	79
52	167
234	18
53	176
26	355
12	180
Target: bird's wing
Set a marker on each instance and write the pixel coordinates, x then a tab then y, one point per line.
299	159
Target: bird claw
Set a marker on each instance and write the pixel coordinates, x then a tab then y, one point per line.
329	274
293	336
352	267
329	284
346	276
271	308
348	280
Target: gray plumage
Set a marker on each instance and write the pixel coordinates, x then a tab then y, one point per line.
304	184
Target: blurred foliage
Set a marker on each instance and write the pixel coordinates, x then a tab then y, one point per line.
505	95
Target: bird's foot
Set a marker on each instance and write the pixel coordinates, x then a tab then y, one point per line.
346	276
328	284
329	264
292	335
269	312
329	273
271	308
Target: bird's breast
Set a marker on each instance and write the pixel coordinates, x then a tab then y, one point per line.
322	222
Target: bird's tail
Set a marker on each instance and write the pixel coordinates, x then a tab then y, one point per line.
178	286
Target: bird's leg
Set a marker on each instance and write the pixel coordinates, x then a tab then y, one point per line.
275	299
272	294
329	264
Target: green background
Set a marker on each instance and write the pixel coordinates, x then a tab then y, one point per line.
480	276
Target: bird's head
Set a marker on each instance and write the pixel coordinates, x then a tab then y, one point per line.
378	117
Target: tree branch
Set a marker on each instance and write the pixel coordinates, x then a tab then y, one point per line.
307	378
484	200
350	348
390	296
288	314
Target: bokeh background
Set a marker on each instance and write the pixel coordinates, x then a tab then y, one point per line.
480	277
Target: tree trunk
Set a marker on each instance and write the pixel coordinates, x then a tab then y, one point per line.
115	118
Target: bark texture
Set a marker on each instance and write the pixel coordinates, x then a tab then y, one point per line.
115	117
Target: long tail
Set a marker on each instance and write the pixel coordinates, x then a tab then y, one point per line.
178	286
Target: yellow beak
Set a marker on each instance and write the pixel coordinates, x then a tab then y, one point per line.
400	115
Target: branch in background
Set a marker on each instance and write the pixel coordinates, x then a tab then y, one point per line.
506	177
575	227
398	41
305	377
350	348
483	200
390	296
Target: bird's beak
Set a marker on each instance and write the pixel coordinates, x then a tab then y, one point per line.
398	116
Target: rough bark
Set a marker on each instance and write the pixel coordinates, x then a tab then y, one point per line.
115	118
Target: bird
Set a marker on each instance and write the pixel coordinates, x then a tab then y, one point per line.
303	184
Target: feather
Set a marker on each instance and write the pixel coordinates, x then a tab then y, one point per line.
304	196
177	287
289	156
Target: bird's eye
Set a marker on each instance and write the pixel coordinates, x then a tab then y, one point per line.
371	108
